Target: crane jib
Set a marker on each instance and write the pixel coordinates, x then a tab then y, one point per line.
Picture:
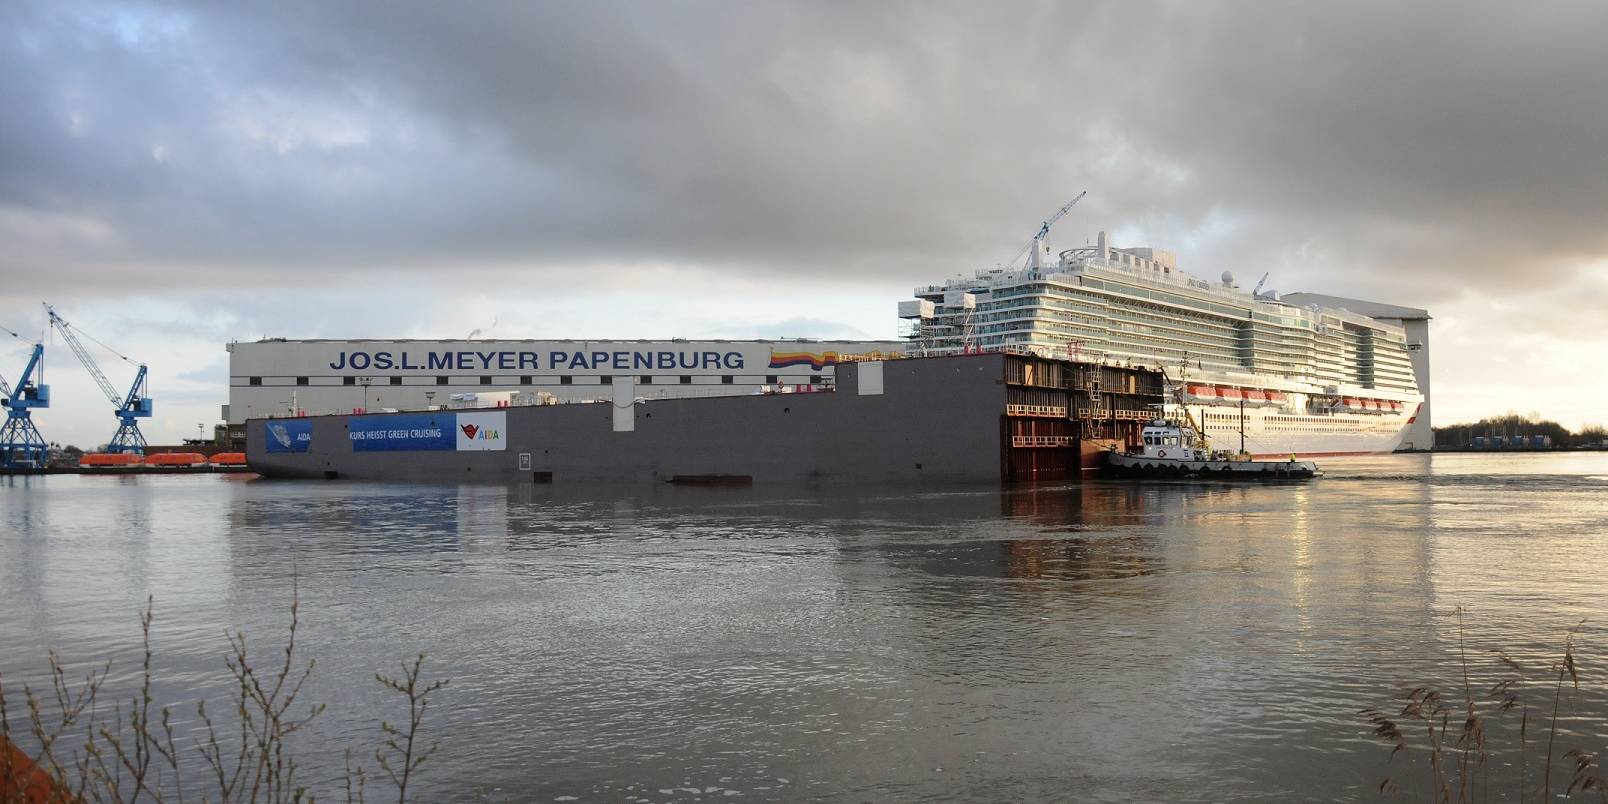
128	408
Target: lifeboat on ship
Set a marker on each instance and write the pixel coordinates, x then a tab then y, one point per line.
1201	393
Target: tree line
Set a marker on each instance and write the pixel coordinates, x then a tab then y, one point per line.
1516	424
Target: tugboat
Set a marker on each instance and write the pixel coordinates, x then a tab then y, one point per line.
1177	448
1173	449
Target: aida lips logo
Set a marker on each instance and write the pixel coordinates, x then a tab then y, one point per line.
470	430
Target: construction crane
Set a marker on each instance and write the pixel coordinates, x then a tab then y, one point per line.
1257	291
1035	247
130	407
21	445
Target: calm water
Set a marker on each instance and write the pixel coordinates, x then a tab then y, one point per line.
1102	642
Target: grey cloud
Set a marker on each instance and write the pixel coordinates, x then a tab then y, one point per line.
1401	152
794	328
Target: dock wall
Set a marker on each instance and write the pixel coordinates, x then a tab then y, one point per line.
934	420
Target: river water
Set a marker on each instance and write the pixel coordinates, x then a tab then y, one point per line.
1096	642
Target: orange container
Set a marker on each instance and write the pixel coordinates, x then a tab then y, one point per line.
229	459
108	459
175	459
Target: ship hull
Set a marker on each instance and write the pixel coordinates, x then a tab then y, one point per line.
1279	433
1141	466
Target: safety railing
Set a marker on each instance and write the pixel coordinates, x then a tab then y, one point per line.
1041	441
1048	411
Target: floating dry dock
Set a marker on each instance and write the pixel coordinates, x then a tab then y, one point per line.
983	418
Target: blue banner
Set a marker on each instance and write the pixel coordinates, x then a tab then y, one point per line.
288	435
411	433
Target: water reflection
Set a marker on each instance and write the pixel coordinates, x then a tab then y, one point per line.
787	643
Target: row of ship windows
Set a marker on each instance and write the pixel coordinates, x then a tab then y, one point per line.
1169	298
1329	370
1197	352
1285	423
527	379
1194	307
1175	320
1122	327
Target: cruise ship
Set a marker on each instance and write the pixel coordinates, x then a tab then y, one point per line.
1277	376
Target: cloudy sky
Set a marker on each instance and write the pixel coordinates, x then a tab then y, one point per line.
176	175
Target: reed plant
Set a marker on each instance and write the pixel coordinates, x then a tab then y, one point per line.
84	751
1447	734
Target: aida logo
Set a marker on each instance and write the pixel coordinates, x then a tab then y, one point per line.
480	432
486	430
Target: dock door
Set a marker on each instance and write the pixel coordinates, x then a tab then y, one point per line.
1060	415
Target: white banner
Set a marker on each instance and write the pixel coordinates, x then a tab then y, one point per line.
483	431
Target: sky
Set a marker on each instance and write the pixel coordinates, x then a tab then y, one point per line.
176	175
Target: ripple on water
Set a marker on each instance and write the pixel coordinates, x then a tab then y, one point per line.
1156	641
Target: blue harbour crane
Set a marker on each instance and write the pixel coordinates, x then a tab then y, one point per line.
21	445
129	407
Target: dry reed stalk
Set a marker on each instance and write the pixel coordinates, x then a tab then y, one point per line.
132	754
1467	757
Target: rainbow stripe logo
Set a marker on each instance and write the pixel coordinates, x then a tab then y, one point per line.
815	360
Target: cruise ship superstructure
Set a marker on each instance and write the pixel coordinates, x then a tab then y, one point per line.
1289	379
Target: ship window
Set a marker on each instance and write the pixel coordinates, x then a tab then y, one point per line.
727	379
485	380
396	380
646	379
254	381
566	380
608	380
301	380
524	379
441	381
349	381
686	379
770	379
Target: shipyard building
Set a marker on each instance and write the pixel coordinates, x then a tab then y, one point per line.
276	377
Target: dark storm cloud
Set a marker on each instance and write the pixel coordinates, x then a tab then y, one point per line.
1404	151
